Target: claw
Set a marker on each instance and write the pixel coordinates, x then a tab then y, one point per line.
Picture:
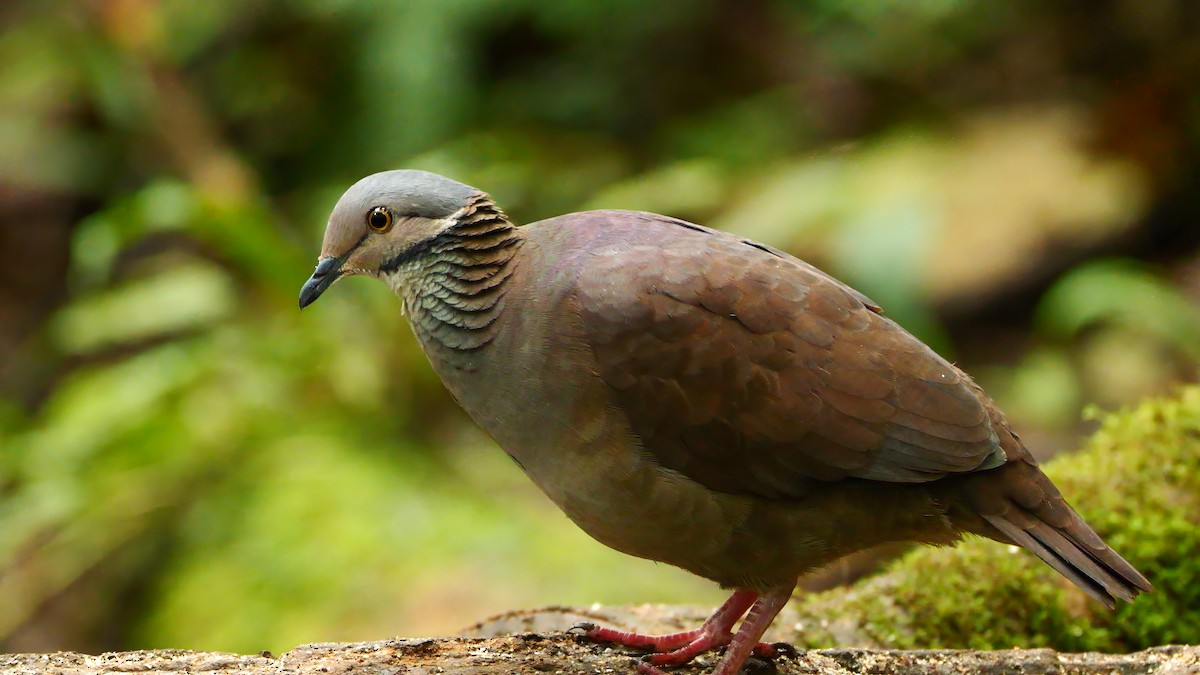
644	667
766	651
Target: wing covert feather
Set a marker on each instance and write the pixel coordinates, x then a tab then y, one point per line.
752	372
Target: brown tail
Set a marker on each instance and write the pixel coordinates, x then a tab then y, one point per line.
1025	508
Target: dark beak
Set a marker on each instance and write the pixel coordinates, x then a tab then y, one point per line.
328	270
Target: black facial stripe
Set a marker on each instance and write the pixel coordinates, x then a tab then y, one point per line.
411	253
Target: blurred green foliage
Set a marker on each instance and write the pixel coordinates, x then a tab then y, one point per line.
188	461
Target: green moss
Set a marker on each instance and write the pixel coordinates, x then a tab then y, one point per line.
1137	481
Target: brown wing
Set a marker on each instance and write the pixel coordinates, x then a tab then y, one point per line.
752	372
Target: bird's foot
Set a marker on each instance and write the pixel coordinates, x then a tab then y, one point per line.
678	649
648	665
638	641
675	649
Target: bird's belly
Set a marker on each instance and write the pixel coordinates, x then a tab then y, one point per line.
631	504
624	500
633	507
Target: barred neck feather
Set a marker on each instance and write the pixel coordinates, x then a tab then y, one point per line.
454	293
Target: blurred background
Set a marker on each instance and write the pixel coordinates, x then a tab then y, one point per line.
186	460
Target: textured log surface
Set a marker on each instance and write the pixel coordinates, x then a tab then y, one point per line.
534	641
559	653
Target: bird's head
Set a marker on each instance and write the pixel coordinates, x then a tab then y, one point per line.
384	221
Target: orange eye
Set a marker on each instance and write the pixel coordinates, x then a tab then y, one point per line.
379	219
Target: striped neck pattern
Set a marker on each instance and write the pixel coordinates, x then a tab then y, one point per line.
454	293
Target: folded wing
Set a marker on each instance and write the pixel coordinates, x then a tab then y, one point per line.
752	372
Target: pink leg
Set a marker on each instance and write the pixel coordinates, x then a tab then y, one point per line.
760	617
